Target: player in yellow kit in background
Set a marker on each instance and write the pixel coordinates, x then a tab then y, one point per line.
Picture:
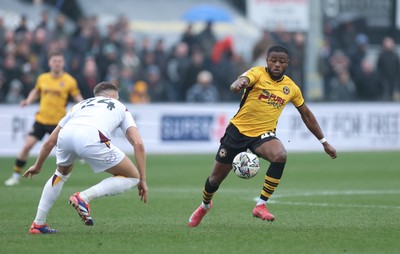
53	88
266	92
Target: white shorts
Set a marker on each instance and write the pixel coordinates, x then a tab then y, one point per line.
77	141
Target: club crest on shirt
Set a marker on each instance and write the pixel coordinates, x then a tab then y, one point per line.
286	90
62	84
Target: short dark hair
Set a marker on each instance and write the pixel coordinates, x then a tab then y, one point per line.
103	86
55	53
278	48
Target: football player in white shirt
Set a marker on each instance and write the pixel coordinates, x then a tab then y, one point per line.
84	133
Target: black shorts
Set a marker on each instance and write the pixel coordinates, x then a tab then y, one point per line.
39	130
234	142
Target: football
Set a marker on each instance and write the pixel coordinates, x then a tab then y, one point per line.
246	165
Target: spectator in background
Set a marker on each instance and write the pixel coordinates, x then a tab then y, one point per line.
342	87
176	68
44	20
204	91
367	82
10	72
125	82
140	93
337	62
22	26
161	55
2	33
195	67
15	94
296	67
60	30
89	78
189	38
388	65
260	48
158	88
206	40
358	53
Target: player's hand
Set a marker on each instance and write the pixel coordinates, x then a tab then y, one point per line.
242	83
33	170
23	103
330	150
143	189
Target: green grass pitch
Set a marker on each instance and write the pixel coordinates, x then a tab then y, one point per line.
347	205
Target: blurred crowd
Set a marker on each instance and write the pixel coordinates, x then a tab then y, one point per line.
199	67
350	73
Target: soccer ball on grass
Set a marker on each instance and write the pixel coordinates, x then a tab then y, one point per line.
246	165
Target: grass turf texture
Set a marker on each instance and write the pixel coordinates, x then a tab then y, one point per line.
347	205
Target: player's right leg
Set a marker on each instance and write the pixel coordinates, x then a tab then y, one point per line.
220	171
51	191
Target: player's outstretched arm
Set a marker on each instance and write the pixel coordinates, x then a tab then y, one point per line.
312	124
135	139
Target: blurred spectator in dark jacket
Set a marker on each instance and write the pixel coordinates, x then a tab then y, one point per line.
89	78
10	73
206	40
189	37
159	89
196	65
15	93
342	87
176	68
367	82
388	65
204	91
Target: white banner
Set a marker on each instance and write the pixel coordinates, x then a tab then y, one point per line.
190	128
289	15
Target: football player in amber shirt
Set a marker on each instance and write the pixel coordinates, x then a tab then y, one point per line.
266	92
53	88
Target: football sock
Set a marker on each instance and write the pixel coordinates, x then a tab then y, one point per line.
51	191
19	164
108	187
271	181
208	193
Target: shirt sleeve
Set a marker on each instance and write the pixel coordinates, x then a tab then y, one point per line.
253	75
74	88
65	119
128	121
298	99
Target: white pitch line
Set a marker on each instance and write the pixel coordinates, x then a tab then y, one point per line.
276	198
332	205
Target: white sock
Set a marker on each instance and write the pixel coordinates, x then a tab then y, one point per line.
16	175
205	206
51	191
108	187
261	202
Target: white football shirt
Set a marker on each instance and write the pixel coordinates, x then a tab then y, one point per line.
104	114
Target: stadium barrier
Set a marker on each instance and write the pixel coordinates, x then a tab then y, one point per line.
195	128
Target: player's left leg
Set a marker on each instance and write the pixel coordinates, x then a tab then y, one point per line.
219	173
51	191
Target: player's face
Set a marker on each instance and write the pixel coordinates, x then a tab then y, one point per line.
277	63
56	63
